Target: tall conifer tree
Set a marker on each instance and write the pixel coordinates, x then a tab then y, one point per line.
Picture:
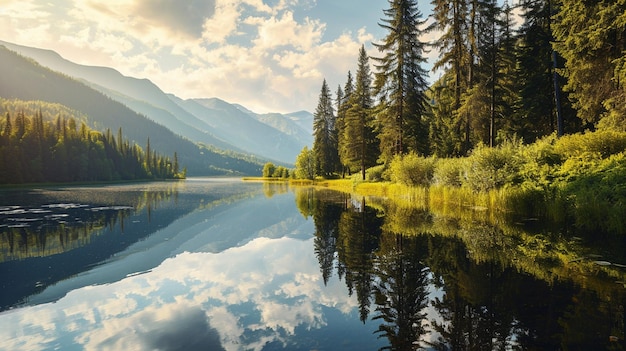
591	37
400	80
451	20
359	137
324	134
342	108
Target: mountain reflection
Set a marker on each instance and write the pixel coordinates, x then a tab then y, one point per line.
226	265
434	281
39	223
51	234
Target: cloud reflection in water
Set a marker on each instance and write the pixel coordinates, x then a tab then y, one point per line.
242	298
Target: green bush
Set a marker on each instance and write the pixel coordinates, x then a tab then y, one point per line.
493	167
375	174
605	143
597	191
449	171
412	170
539	162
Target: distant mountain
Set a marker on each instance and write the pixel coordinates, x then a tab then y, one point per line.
304	119
284	124
25	79
164	116
231	127
240	128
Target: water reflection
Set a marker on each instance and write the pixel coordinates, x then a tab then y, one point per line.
225	265
235	274
468	282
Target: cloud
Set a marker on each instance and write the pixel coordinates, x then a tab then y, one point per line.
268	56
223	24
187	17
285	31
243	297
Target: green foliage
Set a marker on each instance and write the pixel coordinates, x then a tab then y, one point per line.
325	134
492	168
589	36
449	172
272	171
376	173
605	143
598	192
400	81
305	164
359	143
47	149
412	170
268	170
579	176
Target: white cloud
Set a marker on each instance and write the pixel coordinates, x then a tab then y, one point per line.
223	24
266	57
245	296
285	31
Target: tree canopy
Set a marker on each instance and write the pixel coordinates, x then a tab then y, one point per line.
34	148
560	70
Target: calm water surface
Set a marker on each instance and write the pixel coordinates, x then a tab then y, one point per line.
219	264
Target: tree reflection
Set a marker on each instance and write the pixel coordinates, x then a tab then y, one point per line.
359	236
54	234
456	284
401	292
326	216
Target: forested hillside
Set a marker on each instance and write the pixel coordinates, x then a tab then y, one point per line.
34	148
207	121
560	71
24	79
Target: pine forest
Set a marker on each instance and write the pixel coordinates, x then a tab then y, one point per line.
560	71
45	142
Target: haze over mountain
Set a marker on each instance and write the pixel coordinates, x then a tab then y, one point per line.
275	137
26	80
211	121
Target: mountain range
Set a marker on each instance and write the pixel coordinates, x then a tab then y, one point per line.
214	127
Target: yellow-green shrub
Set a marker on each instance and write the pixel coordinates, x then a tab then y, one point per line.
449	171
412	170
605	143
492	167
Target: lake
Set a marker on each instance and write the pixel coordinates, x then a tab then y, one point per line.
221	264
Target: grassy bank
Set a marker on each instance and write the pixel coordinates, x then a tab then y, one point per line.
576	179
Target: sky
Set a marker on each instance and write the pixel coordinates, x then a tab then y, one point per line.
268	55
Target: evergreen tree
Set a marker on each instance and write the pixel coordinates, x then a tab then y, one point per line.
176	166
339	127
400	81
534	114
7	126
359	139
45	153
148	157
444	128
342	108
325	134
480	102
506	87
451	19
591	37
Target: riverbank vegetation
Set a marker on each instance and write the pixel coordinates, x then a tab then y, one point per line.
471	256
576	179
520	120
44	142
